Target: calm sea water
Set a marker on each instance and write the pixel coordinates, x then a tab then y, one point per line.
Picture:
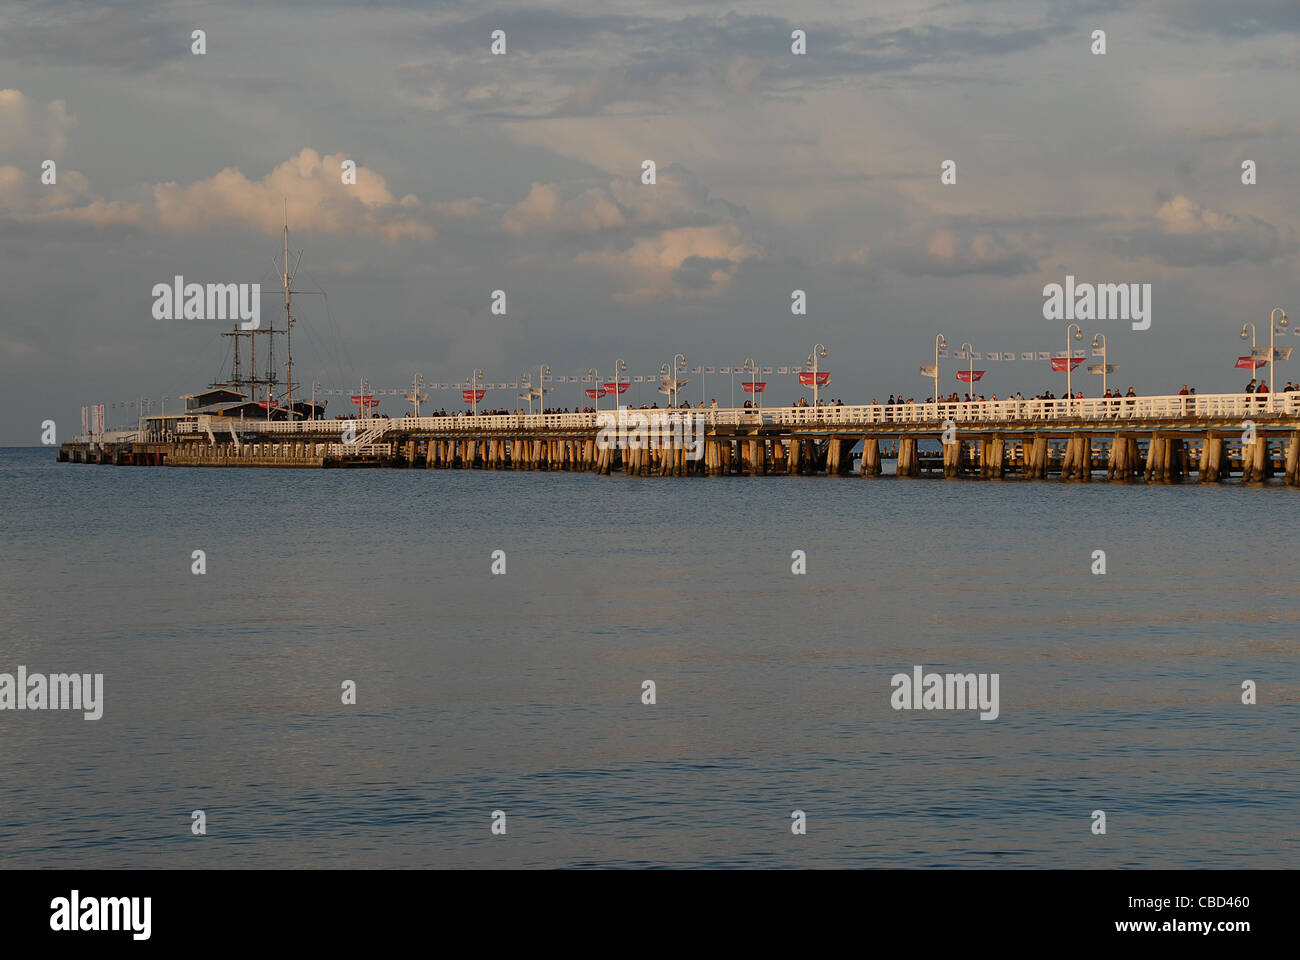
522	692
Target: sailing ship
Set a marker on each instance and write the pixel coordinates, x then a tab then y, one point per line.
240	392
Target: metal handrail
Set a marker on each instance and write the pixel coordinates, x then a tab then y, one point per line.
1236	406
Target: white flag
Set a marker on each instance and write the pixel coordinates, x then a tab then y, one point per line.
929	370
1044	355
1027	355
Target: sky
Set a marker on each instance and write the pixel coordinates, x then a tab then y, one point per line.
522	172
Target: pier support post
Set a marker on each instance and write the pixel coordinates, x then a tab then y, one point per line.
871	457
1162	466
1037	469
1211	465
908	465
997	457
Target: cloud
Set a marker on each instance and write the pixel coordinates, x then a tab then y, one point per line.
83	35
676	199
542	211
679	264
603	63
318	202
953	253
1237	129
31	129
1239	19
1186	234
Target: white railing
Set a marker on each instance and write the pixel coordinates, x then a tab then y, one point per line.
1221	406
359	449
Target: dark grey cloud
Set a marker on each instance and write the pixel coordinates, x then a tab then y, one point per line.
127	37
1237	19
696	273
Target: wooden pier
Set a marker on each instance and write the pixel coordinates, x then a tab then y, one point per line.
1209	439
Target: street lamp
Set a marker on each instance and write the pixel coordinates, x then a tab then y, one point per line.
1078	335
753	376
314	387
543	371
970	355
618	365
1272	377
676	357
595	379
940	343
473	389
1100	341
818	351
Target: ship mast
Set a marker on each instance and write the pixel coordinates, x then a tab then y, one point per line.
286	278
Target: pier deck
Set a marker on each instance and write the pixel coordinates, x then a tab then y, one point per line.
1156	439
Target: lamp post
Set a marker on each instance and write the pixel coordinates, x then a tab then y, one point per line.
473	389
970	355
1100	341
1078	335
818	351
595	379
543	371
1272	377
618	365
314	387
940	343
1251	338
753	376
676	357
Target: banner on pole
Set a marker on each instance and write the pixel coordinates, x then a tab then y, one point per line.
965	376
1058	363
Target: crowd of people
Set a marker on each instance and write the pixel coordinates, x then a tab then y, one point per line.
1255	386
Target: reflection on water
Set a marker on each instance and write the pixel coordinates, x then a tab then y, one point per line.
522	692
